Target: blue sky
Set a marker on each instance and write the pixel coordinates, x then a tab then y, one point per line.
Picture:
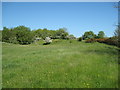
77	17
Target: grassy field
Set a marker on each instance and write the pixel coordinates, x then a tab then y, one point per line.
60	65
0	65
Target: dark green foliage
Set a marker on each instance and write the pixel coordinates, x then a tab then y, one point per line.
9	35
80	39
88	35
5	34
61	33
96	36
53	34
101	34
91	35
23	35
70	41
20	34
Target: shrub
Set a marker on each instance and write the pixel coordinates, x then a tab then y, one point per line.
80	39
90	40
110	41
101	40
47	40
70	41
70	37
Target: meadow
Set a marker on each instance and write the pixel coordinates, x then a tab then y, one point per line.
61	64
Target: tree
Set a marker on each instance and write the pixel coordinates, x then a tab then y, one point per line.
23	35
61	33
71	36
88	35
101	34
8	35
13	38
38	33
52	34
20	34
5	34
117	31
117	35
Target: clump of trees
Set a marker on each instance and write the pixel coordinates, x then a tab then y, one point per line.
88	35
101	34
53	34
24	35
20	35
91	35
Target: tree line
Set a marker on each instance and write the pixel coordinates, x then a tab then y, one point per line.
24	35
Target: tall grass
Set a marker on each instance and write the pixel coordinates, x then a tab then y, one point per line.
61	64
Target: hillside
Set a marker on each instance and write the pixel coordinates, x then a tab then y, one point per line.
62	64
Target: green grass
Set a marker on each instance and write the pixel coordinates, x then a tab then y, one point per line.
0	60
60	65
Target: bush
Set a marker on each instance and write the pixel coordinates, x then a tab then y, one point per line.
80	39
101	40
110	41
47	40
70	41
90	41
